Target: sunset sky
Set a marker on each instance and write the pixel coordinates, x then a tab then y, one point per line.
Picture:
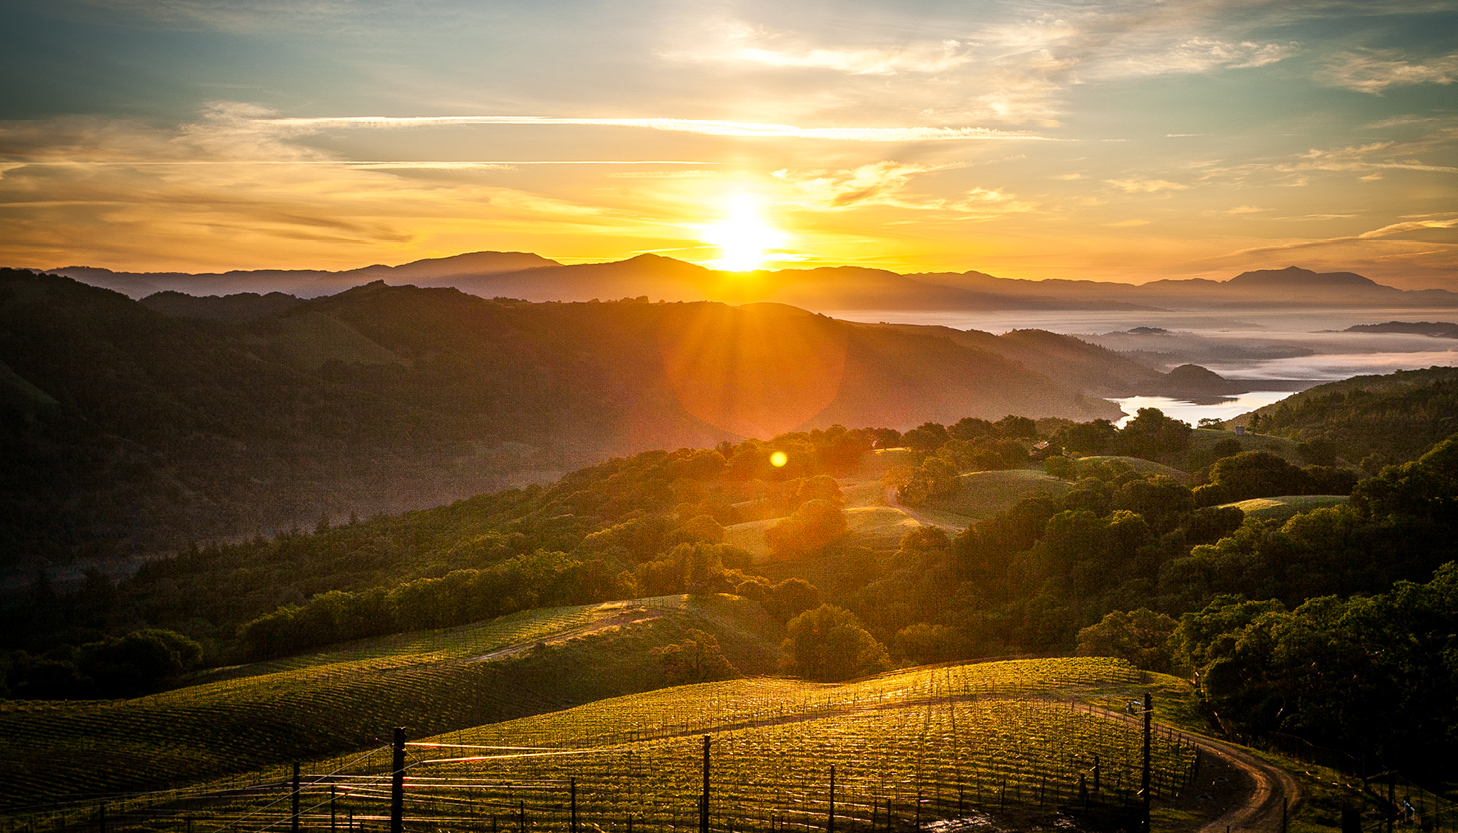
1108	140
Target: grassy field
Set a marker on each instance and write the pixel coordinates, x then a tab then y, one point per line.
1286	507
1144	466
1204	440
986	493
343	699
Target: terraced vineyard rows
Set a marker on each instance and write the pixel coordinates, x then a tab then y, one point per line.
735	703
928	759
934	743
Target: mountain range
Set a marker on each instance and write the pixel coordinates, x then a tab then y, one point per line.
529	277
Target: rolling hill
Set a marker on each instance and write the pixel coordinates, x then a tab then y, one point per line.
131	430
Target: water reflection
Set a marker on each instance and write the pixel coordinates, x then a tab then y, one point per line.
1193	412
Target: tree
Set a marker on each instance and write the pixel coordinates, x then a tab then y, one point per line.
970	428
1094	437
926	438
1014	427
1151	434
924	643
695	658
1059	466
829	644
1426	488
790	598
1251	474
814	525
1140	636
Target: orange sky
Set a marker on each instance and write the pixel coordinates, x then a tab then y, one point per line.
1112	141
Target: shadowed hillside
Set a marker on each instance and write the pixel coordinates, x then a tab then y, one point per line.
128	431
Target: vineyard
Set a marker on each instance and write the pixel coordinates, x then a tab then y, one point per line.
271	713
906	748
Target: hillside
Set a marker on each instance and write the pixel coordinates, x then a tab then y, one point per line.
236	719
131	431
1371	420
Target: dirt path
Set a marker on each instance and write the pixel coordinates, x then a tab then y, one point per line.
1236	791
890	500
1273	794
627	617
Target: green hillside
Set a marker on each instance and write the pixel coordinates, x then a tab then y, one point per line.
166	430
1371	420
983	494
236	719
1285	507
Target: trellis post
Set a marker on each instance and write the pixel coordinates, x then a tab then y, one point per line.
397	783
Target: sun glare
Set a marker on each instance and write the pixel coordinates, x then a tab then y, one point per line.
744	239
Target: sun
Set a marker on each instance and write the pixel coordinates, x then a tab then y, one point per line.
744	238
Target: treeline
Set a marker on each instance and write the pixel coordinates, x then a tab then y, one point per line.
138	663
1373	675
1373	421
1338	626
621	522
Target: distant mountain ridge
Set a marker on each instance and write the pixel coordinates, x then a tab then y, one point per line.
830	289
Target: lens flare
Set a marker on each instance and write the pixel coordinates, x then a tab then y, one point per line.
779	459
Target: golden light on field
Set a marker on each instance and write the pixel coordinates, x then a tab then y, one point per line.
744	239
779	459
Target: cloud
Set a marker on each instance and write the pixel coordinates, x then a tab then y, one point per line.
1359	158
1199	55
887	184
1372	71
1368	159
1387	231
219	192
703	127
1145	186
243	16
744	44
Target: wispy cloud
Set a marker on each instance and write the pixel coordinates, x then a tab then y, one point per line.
1146	186
703	127
1369	159
743	44
1199	55
1373	71
241	16
219	192
888	184
1387	231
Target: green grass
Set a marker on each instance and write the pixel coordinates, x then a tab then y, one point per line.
874	465
749	536
878	527
986	493
1204	440
1144	466
252	717
1286	507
